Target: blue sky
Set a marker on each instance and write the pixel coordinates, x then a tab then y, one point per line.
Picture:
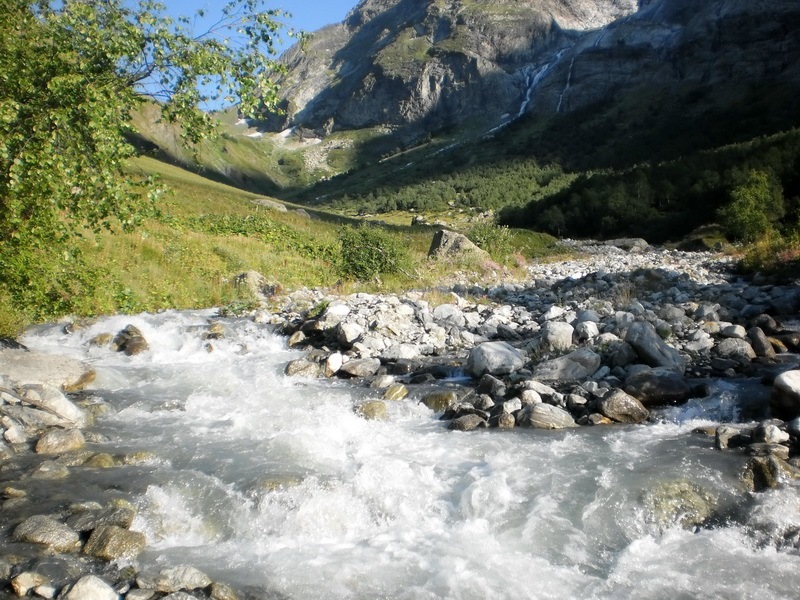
307	15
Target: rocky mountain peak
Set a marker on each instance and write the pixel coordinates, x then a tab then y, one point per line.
417	65
412	67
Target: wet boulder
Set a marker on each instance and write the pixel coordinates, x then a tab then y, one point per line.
373	410
59	441
785	399
623	408
130	341
467	423
44	530
109	542
545	416
658	387
440	401
303	368
180	578
680	502
766	472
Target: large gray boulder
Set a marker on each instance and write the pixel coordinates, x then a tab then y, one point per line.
451	244
576	365
658	387
494	358
623	408
557	335
363	367
651	349
545	416
736	349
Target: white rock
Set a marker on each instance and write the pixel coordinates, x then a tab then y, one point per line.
92	588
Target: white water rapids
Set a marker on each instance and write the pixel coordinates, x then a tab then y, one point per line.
276	486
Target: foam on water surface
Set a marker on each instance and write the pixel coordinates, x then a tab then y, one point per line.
277	484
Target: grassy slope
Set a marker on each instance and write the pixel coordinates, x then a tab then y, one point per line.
208	232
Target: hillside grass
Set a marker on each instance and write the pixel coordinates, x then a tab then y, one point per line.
207	232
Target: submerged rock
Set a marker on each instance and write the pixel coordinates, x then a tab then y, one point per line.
680	502
130	341
374	410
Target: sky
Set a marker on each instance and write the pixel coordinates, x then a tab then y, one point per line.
307	15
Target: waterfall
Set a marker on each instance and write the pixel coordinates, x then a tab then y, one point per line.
532	78
567	86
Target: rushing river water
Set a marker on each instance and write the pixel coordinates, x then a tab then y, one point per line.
277	486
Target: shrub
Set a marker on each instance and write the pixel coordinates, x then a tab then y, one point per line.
495	239
756	205
367	251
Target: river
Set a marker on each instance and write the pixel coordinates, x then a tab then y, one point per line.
276	486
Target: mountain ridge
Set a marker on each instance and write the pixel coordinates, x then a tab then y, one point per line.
415	67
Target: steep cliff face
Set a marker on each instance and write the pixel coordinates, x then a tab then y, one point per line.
727	46
415	66
418	65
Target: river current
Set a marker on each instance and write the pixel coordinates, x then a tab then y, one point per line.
276	486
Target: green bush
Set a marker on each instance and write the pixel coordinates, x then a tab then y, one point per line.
756	206
368	251
497	240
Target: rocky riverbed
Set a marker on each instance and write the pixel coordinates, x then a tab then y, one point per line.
614	336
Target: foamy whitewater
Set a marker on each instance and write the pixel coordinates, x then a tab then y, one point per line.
275	485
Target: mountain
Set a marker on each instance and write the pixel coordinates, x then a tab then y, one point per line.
415	67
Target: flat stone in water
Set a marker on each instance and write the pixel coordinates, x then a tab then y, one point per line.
545	416
44	530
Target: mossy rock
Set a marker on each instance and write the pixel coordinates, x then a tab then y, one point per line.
680	502
374	410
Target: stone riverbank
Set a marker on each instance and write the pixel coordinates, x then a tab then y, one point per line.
607	338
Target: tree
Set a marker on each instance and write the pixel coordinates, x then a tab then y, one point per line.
71	73
756	206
